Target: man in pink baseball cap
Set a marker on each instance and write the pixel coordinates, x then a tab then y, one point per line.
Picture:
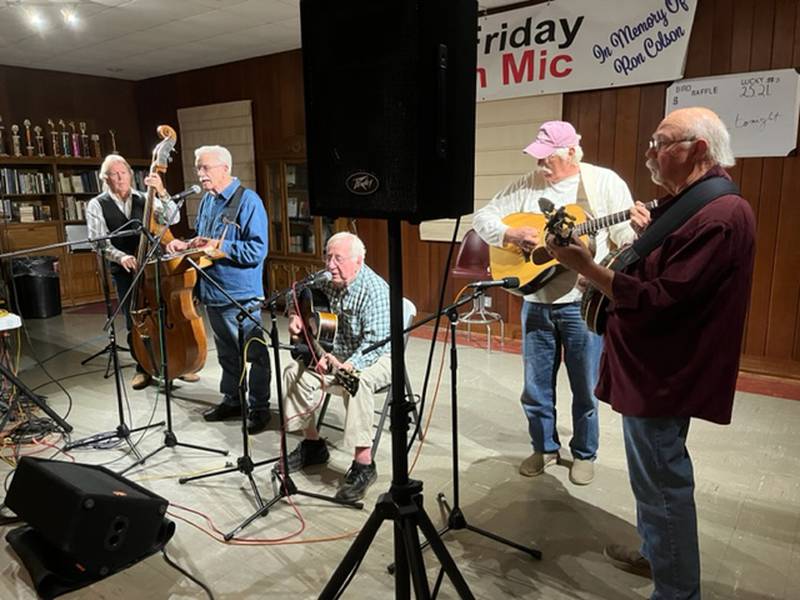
551	323
552	136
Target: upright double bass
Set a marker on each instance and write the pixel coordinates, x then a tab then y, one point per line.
185	334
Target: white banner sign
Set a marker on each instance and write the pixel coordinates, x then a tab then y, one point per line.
761	109
573	45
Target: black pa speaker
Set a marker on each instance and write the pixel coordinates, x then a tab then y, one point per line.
95	521
390	107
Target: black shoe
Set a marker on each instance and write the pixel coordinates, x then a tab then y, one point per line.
356	482
307	453
223	412
258	421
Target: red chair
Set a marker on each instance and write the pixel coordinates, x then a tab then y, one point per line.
473	263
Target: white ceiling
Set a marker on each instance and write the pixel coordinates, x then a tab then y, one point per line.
137	39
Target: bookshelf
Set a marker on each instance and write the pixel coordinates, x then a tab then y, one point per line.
296	238
40	198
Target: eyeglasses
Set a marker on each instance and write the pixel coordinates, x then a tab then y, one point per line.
337	259
658	145
206	168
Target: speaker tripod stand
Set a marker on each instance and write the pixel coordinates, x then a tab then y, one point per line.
403	503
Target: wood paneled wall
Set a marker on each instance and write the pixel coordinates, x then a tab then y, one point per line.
102	102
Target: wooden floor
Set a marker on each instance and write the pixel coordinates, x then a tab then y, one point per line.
748	492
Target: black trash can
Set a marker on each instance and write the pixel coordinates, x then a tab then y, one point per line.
38	286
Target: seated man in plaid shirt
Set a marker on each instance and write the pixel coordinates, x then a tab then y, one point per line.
360	299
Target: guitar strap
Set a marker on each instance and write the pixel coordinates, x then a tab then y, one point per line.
683	207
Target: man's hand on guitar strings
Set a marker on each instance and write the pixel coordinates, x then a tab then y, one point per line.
527	238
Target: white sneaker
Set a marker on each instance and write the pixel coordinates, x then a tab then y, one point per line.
536	463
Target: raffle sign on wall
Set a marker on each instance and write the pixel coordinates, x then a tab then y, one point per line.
573	45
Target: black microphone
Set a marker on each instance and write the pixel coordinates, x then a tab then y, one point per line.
315	279
195	189
505	282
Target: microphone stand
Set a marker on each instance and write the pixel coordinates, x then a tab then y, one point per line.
122	431
244	463
287	486
455	516
170	439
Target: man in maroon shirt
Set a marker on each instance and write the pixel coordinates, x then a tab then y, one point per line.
673	339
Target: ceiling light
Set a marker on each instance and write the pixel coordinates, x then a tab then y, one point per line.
70	17
36	19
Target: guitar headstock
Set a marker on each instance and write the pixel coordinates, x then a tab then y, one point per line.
561	224
348	380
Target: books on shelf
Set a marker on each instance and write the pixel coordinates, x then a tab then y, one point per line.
74	209
81	182
25	212
15	181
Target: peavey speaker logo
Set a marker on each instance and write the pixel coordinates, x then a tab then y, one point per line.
362	183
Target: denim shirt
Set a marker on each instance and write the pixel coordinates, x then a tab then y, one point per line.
245	246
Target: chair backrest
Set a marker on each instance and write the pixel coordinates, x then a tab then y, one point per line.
473	257
409	312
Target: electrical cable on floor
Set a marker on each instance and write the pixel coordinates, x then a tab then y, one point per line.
186	573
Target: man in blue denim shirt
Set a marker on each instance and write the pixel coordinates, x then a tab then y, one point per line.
232	219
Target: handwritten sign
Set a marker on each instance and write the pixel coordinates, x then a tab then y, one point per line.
761	109
571	45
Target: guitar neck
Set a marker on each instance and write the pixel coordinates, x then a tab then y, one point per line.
594	225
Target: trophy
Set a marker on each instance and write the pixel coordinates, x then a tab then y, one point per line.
84	140
64	138
28	144
96	151
76	140
39	140
15	140
53	137
113	142
2	138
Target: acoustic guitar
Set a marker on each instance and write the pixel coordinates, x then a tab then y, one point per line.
536	268
321	326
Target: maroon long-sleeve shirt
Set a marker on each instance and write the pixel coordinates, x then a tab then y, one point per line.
675	327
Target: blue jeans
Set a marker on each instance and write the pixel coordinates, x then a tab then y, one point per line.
547	330
226	337
662	479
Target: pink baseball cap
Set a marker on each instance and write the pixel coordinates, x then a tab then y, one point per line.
552	136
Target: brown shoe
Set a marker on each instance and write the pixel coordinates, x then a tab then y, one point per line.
628	559
141	381
190	377
536	463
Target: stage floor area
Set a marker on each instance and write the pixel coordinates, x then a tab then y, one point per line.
748	489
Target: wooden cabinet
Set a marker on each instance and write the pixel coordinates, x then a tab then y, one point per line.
43	201
296	239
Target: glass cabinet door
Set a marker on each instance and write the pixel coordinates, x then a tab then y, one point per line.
298	211
274	207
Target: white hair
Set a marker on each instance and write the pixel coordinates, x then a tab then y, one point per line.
357	248
108	161
576	158
708	126
223	155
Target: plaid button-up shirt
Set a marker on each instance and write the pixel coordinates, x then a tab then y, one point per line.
363	312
